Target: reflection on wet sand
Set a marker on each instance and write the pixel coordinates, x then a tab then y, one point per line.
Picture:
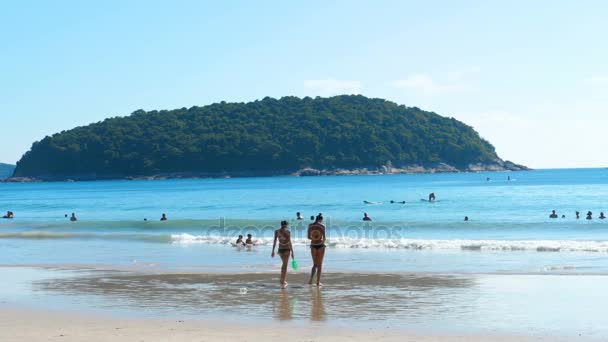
282	308
345	296
317	309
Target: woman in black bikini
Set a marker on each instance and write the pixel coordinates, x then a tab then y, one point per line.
284	237
316	235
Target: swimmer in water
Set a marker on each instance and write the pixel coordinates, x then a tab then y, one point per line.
432	197
299	216
563	216
249	240
163	217
466	218
316	235
73	217
553	215
578	215
366	218
589	215
602	216
239	241
283	236
9	215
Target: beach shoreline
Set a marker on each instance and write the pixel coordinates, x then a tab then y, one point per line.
17	324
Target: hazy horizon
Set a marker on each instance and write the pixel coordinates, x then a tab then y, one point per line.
529	77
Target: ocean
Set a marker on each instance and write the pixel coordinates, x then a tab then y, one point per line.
509	240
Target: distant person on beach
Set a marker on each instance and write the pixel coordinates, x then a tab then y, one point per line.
432	197
285	249
299	216
553	214
589	215
240	241
602	216
249	240
316	235
163	217
9	215
578	215
466	218
73	217
366	217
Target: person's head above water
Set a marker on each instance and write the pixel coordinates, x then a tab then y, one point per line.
312	217
466	218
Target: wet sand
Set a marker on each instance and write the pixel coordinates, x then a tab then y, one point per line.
129	305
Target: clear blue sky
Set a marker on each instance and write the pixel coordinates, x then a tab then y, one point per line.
530	76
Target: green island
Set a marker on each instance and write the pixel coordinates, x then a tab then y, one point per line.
349	134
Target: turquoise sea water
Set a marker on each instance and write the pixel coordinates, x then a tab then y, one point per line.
509	228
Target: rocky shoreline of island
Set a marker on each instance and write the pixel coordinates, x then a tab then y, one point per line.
498	166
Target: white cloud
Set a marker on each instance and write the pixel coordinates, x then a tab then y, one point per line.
427	85
330	87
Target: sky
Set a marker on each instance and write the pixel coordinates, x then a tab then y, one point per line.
530	76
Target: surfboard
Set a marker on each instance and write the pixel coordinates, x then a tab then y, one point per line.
370	202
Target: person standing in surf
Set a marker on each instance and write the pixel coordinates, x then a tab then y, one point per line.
284	237
316	235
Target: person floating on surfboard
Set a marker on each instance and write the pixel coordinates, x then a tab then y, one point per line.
432	197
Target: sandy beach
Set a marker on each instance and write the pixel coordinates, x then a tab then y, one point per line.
21	325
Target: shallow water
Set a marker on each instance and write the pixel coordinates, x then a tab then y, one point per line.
509	229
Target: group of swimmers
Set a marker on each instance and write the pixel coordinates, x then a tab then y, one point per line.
316	235
554	215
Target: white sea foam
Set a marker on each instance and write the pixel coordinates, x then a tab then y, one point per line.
423	244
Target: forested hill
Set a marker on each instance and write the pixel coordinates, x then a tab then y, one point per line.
265	137
6	170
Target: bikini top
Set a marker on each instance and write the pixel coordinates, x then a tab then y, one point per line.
316	233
